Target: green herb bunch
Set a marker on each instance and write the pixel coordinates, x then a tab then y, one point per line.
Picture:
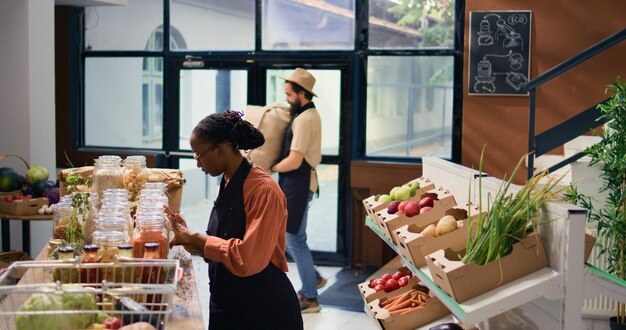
80	205
509	217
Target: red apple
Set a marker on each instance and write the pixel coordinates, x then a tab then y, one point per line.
392	208
402	205
397	275
426	201
386	276
379	287
403	281
425	209
412	209
391	285
400	212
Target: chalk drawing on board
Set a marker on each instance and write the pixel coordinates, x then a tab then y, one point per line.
499	50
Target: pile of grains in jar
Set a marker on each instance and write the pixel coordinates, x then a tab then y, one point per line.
135	175
107	174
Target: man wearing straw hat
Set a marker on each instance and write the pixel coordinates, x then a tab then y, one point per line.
300	155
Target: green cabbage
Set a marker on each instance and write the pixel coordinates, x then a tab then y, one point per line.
57	302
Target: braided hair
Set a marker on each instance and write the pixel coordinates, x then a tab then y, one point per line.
228	126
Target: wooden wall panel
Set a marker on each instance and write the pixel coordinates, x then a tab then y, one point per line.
560	29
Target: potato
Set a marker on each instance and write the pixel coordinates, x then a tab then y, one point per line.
429	231
446	224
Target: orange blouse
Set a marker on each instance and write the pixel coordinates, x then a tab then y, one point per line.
266	220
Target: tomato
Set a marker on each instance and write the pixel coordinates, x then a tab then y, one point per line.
112	323
379	287
379	281
396	276
403	281
391	285
386	277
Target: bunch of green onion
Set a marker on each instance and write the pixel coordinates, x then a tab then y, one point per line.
508	218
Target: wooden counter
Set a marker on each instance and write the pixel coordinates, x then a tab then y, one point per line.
186	312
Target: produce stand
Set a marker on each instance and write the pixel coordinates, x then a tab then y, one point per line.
25	219
186	310
550	298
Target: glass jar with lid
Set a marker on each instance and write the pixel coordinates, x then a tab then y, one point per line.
90	274
68	271
160	186
89	225
135	175
118	208
150	229
114	222
61	218
109	241
107	174
125	274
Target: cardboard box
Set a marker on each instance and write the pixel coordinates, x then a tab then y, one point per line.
369	294
172	177
465	281
415	247
372	205
432	311
23	206
8	258
388	223
590	240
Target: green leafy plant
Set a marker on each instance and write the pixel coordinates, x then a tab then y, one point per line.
80	205
610	155
509	216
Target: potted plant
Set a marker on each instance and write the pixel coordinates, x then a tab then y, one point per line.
610	155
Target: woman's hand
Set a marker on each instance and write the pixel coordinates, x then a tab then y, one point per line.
182	234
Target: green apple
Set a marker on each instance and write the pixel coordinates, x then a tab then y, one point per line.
392	193
403	193
384	198
413	185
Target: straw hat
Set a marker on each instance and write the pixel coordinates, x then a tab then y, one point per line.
302	78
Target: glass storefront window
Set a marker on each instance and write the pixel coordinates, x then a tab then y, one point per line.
203	92
213	25
123	103
409	106
411	24
308	25
126	27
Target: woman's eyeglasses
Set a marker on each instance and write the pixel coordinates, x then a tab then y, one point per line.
197	157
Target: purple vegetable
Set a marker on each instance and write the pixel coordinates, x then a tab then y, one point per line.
53	194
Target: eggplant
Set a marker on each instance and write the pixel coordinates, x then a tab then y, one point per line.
446	326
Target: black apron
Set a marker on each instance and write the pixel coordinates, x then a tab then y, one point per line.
265	300
295	184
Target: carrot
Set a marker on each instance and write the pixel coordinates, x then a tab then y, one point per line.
400	311
412	309
388	301
401	305
401	298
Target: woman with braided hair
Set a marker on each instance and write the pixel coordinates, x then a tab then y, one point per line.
245	239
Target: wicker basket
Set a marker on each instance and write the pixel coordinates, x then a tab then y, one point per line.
14	192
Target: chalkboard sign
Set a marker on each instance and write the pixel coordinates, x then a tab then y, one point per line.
499	52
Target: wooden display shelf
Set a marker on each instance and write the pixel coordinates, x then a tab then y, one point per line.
489	304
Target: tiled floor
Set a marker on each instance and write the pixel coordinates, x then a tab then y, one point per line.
329	318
